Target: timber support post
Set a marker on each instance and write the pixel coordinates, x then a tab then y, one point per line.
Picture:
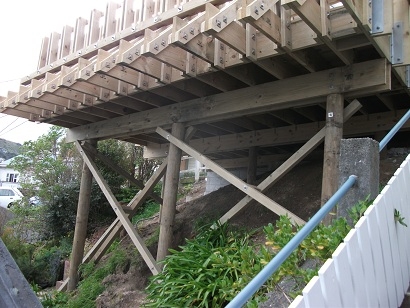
252	165
331	157
81	222
170	194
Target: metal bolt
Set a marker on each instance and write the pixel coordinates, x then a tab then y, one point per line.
137	52
185	36
218	23
167	76
221	60
193	69
129	57
256	11
225	19
192	31
180	8
253	37
253	51
107	64
95	45
163	43
156	47
69	79
245	187
262	6
53	86
113	37
145	84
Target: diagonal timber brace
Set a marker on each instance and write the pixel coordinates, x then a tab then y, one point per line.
291	162
243	186
136	239
120	171
112	232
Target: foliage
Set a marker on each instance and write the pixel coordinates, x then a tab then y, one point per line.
51	170
357	210
208	271
54	299
144	168
212	268
399	218
40	263
149	209
47	165
91	285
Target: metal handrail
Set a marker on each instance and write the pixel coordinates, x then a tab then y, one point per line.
277	261
394	130
282	255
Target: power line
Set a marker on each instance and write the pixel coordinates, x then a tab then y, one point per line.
8	126
1	134
5	81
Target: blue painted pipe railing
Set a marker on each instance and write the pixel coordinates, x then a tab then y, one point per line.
394	130
282	255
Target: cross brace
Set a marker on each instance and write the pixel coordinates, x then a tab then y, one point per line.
243	186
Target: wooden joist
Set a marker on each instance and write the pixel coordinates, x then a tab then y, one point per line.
350	80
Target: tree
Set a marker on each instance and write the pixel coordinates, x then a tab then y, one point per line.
51	169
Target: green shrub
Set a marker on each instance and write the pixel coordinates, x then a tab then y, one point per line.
40	263
149	209
212	268
207	272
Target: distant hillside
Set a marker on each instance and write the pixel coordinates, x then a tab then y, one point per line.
8	149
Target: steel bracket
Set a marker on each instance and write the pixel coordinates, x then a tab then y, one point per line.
397	43
377	16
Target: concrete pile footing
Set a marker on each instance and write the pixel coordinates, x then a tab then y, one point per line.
358	156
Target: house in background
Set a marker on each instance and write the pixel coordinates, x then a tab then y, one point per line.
8	176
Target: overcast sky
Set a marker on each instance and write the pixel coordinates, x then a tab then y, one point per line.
23	24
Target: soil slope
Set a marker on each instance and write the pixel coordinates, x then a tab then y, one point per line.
298	191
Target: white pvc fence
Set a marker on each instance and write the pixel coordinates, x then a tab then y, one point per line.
371	268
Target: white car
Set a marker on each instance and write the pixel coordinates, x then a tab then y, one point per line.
8	196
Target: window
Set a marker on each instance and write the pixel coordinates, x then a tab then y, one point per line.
6	192
11	177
